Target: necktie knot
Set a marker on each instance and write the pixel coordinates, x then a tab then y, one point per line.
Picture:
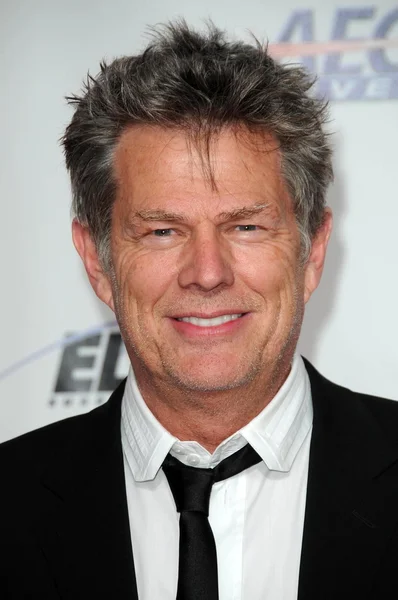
190	486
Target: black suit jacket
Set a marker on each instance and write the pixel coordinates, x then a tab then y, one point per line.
64	528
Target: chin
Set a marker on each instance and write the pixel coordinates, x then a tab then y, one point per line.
208	380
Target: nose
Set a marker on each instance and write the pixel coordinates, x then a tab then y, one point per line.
207	262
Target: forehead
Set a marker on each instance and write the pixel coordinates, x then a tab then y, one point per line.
159	165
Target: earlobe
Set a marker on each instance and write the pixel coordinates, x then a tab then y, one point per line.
316	260
87	251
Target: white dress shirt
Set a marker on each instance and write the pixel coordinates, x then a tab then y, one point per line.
256	516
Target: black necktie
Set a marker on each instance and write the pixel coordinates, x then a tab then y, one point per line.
191	488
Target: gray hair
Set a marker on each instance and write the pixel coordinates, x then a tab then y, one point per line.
200	82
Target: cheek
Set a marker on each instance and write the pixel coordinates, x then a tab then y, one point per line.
273	271
145	279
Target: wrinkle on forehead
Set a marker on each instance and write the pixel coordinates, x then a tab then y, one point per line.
201	145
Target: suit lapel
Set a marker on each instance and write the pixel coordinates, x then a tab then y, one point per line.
351	498
85	533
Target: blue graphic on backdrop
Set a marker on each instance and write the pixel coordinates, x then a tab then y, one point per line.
369	74
93	362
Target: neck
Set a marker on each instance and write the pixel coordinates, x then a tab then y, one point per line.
208	417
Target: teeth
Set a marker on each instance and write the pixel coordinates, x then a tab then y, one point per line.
210	322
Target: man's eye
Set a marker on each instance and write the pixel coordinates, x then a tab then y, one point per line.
247	227
162	232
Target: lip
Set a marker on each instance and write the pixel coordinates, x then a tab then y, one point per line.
225	330
213	315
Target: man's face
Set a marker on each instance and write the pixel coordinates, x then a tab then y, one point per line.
208	286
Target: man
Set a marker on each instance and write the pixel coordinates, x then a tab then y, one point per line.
199	172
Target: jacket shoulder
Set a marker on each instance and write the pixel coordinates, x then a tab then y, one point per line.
334	397
35	447
32	451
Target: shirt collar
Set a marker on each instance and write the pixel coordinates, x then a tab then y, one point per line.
276	434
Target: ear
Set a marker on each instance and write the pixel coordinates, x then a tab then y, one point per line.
88	253
316	259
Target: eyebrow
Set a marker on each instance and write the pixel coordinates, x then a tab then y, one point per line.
243	212
158	215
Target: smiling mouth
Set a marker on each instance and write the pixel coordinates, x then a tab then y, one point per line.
215	321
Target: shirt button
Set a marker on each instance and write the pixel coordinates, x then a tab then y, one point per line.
193	460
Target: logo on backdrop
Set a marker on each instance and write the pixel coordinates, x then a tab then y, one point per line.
90	369
360	60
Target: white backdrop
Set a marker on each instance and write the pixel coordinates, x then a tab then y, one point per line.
47	46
